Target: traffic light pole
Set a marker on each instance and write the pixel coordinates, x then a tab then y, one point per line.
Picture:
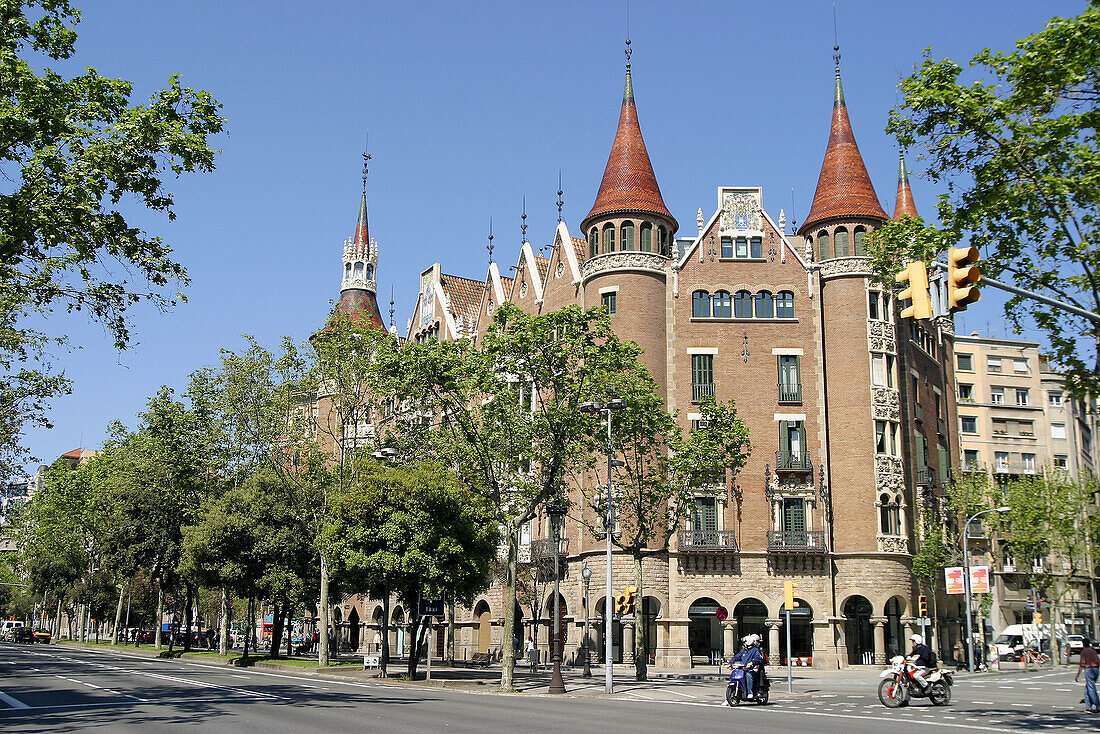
608	629
986	280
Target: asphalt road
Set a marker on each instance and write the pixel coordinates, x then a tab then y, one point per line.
62	689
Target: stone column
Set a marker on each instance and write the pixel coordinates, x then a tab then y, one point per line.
679	653
840	626
775	652
824	652
880	639
628	640
729	637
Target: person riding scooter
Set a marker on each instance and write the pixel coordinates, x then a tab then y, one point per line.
748	658
922	657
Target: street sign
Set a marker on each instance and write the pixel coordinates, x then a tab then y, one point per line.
431	607
979	579
954	579
721	613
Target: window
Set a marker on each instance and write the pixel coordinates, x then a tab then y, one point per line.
1000	458
742	247
874	304
1025	428
971	460
594	242
886	438
997	395
700	305
966	392
626	232
1019	366
347	270
794	515
784	305
764	305
1000	426
840	242
742	305
646	239
609	302
790	379
609	238
702	376
882	370
792	444
1022	396
1029	462
965	362
993	364
860	233
706	513
889	516
358	270
1056	399
727	247
662	241
969	423
755	246
823	244
722	307
1060	461
1057	430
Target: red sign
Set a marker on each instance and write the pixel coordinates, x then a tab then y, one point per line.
721	613
979	579
954	579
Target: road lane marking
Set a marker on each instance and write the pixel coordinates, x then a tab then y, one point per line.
686	695
15	703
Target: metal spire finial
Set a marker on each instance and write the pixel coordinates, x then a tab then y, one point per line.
366	158
392	325
489	247
836	42
628	54
523	220
560	192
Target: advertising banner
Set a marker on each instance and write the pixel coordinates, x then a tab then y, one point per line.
979	579
954	578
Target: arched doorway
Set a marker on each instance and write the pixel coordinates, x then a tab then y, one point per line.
563	628
802	638
376	622
750	615
895	635
353	629
704	631
598	635
398	621
484	626
858	632
338	629
651	610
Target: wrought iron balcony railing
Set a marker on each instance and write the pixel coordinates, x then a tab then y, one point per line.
927	475
713	540
790	392
544	548
700	390
796	541
793	461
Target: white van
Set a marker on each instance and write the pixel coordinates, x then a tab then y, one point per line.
8	627
1014	638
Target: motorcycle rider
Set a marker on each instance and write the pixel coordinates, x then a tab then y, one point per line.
748	657
921	657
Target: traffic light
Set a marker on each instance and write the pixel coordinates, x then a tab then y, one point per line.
631	599
916	275
788	595
1038	617
620	604
962	275
922	605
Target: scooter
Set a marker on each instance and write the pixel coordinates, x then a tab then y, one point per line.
735	688
898	685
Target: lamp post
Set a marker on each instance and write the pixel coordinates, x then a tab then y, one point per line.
966	584
556	510
586	574
609	525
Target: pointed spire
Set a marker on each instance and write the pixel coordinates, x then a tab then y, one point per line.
357	290
905	206
362	236
628	184
844	189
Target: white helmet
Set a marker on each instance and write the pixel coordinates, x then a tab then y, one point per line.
916	639
750	639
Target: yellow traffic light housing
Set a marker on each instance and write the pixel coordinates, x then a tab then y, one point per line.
620	604
1038	617
631	599
922	605
916	275
788	595
962	277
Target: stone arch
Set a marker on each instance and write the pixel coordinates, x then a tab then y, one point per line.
597	632
703	594
705	638
802	635
894	610
484	619
857	611
353	629
771	604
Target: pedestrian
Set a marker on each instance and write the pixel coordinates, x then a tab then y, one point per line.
1090	663
532	655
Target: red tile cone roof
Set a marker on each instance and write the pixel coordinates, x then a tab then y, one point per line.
628	182
360	306
904	206
843	189
362	236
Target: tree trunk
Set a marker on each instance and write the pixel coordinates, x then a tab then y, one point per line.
118	615
451	631
251	622
57	622
276	628
323	612
223	627
385	662
415	644
508	650
641	655
157	637
187	616
289	629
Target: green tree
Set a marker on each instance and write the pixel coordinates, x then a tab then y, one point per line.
1013	142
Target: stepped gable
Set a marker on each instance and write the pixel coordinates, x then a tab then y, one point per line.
844	189
628	184
905	206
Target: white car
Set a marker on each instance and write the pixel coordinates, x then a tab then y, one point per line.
1076	642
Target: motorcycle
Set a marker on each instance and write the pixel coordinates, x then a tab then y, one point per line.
899	685
735	688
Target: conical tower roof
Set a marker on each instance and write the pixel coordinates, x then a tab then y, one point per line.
357	297
362	234
843	189
904	206
628	183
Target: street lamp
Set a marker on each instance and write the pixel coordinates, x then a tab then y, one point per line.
556	510
586	574
609	524
966	582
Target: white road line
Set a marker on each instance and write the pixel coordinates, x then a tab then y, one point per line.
15	703
685	695
639	695
1021	704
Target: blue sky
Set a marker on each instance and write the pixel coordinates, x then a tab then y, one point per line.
470	106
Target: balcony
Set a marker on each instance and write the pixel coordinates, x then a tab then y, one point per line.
1015	467
544	548
941	426
706	540
790	461
927	475
796	541
790	393
700	390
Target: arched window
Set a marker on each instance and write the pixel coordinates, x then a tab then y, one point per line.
700	304
858	241
889	516
646	238
609	238
627	232
784	305
594	242
358	270
742	305
765	306
722	305
756	247
347	270
370	272
840	242
662	241
823	245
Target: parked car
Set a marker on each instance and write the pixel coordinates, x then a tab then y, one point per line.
1075	642
23	634
7	629
41	635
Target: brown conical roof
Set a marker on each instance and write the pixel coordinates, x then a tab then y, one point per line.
360	306
628	182
362	235
843	189
904	206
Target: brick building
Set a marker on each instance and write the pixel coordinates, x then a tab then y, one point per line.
849	410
